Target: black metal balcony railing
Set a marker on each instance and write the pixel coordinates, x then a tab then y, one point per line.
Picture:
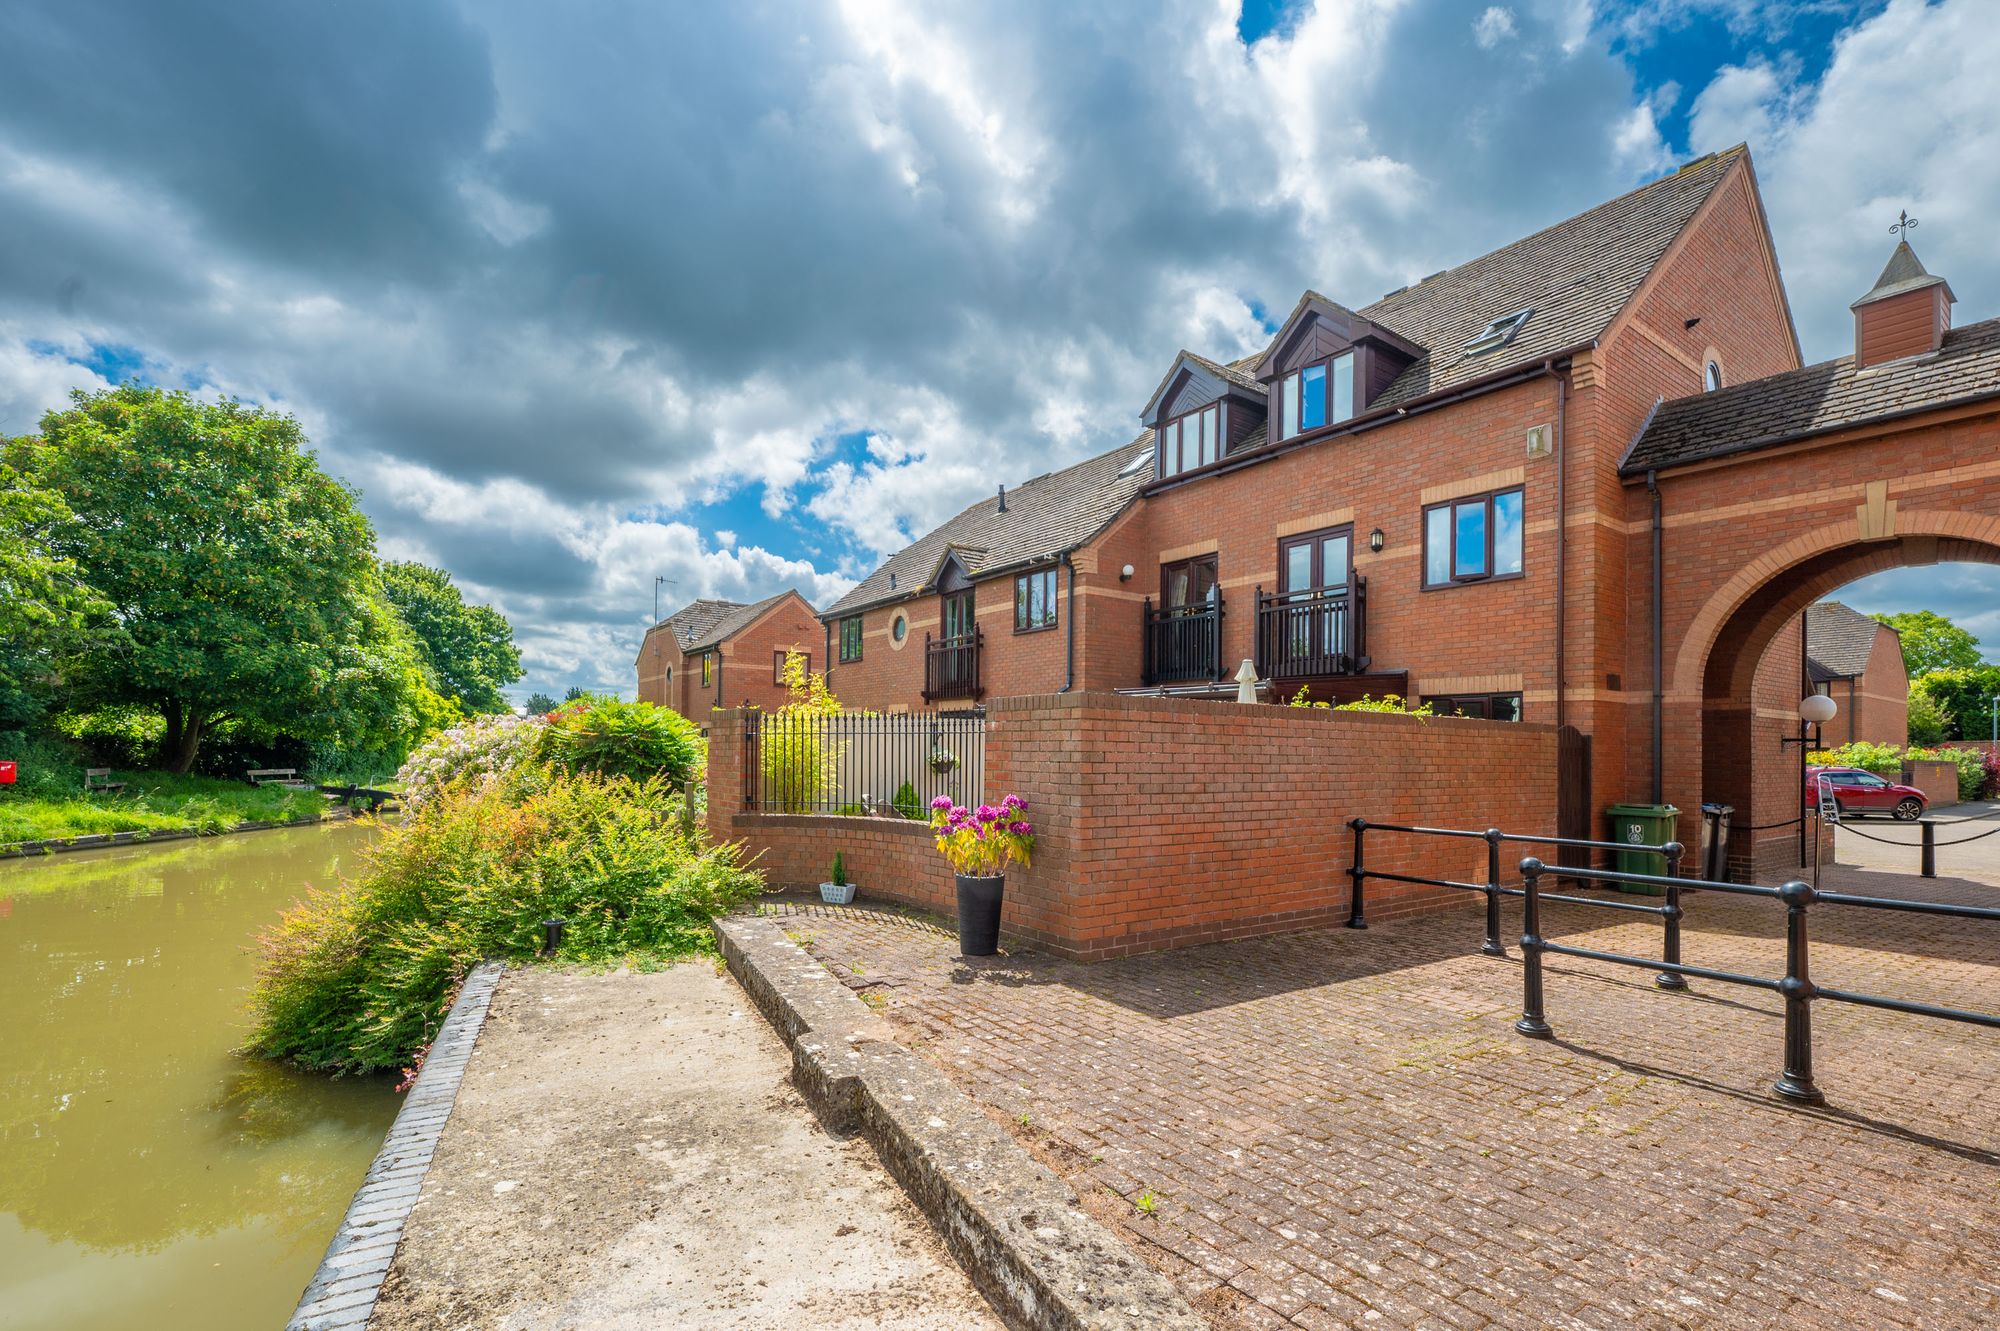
1306	635
1182	643
951	666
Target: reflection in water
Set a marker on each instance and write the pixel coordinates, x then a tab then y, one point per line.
149	1175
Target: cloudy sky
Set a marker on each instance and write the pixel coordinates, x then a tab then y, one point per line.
745	296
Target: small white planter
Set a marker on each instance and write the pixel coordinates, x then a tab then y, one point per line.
836	894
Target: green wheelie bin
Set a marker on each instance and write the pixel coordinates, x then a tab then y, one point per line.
1642	825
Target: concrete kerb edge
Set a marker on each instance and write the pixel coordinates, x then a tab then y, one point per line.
342	1292
1011	1223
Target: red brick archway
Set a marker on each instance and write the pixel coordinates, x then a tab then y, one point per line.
1749	542
1743	764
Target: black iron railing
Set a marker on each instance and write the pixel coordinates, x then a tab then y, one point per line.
1306	635
1182	643
862	765
1670	853
951	666
1795	987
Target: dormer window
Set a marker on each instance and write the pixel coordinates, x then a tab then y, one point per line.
1498	333
1190	441
1317	395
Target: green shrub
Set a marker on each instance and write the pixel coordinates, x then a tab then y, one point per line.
630	739
1929	722
1390	702
1971	764
45	767
355	978
907	803
1885	760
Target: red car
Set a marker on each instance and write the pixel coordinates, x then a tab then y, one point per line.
1856	792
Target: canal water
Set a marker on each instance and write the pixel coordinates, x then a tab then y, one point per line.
149	1176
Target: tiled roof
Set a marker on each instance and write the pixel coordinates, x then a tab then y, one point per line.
1576	275
1839	640
1236	372
696	618
736	617
1829	396
1045	517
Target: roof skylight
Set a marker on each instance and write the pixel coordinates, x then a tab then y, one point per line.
1498	333
1138	464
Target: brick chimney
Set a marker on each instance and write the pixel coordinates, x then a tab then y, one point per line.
1906	314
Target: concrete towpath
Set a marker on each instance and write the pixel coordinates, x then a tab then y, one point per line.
627	1152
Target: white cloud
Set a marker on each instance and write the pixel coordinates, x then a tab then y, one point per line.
1493	27
32	381
544	286
1906	116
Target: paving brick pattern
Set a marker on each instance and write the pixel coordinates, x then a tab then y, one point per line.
1343	1129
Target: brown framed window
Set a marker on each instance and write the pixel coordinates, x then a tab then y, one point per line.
1189	584
850	639
707	669
1316	395
778	662
1485	706
1474	539
1316	563
955	615
1189	441
1035	601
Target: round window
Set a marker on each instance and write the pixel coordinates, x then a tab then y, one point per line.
899	628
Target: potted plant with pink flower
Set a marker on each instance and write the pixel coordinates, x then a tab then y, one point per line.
979	844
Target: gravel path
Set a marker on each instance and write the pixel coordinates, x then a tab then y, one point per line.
627	1152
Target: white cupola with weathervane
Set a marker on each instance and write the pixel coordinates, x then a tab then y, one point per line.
1908	310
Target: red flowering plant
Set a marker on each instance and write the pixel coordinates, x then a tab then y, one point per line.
982	842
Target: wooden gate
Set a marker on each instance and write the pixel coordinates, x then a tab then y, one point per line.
1573	795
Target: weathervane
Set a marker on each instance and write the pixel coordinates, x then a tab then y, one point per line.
1905	224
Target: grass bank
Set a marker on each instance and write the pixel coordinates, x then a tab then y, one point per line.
151	802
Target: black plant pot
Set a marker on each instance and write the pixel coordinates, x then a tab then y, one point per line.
979	913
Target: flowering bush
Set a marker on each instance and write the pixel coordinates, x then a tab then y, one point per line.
1389	702
983	841
473	753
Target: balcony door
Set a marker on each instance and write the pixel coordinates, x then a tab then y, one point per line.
1189	585
957	616
1315	576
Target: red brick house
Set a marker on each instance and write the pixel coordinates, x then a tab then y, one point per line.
1367	506
1583	482
710	654
1858	661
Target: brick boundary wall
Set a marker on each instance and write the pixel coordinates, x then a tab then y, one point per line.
1166	822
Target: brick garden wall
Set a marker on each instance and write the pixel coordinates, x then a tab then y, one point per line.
1169	822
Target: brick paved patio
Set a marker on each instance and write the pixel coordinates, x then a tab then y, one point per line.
1343	1129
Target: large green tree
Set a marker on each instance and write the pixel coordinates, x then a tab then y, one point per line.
469	648
1932	642
240	573
1965	697
48	612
